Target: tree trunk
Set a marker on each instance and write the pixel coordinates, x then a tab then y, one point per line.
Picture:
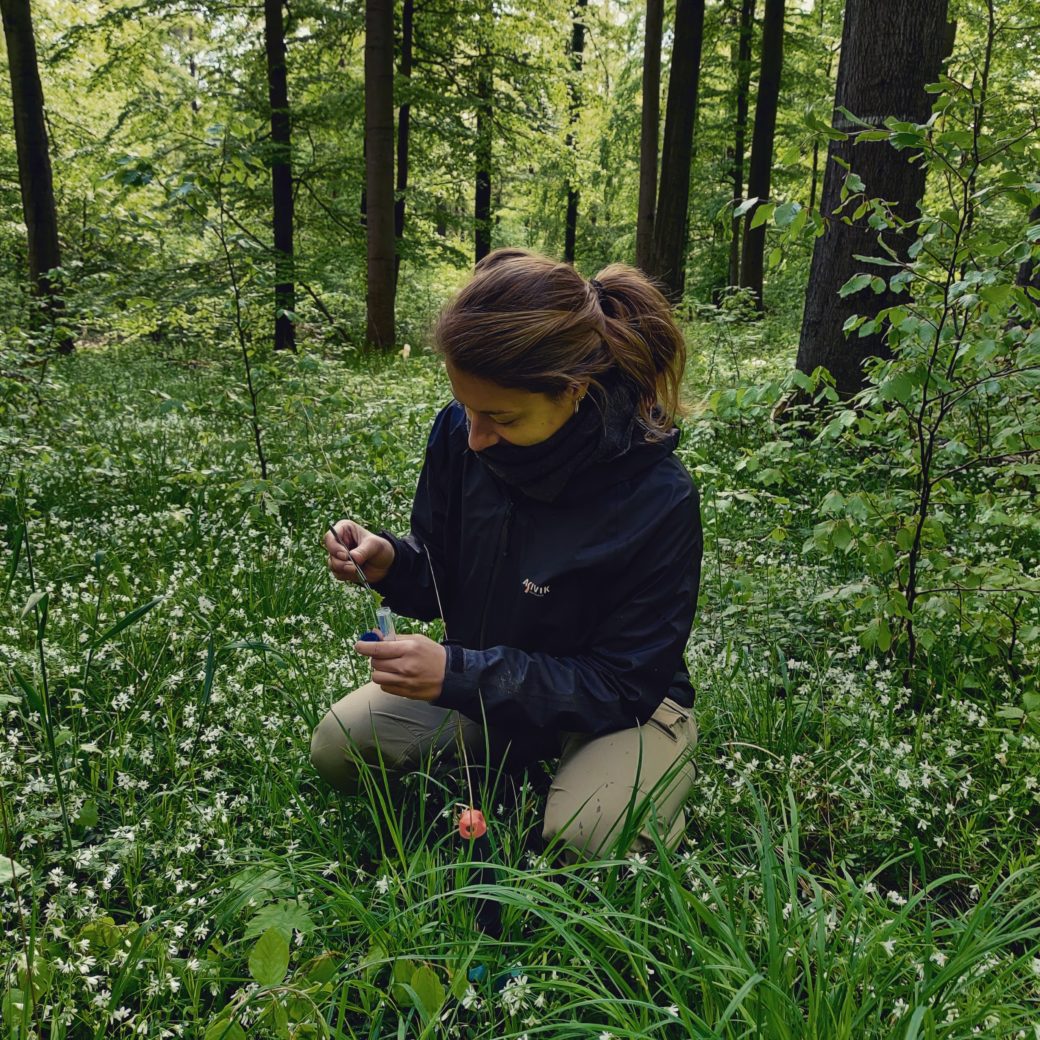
577	52
648	136
761	166
379	168
482	193
671	220
403	120
889	51
281	177
34	161
743	71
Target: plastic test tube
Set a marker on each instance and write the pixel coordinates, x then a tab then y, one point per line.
385	622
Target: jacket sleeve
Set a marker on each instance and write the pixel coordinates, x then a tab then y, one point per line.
619	681
408	587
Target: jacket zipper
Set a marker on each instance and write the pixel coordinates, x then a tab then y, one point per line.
503	551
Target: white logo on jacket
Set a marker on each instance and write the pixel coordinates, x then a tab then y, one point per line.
534	590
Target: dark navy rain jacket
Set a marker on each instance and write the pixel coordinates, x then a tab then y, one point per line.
563	616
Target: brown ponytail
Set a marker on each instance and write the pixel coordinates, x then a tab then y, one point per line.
528	322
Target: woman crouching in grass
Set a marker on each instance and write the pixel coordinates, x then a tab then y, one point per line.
561	537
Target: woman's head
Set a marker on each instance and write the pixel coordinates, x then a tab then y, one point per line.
527	325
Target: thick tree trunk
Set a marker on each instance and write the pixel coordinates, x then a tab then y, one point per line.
889	51
761	165
379	168
403	121
281	177
482	192
648	136
34	161
743	71
668	258
577	52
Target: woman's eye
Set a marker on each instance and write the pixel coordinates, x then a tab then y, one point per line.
508	422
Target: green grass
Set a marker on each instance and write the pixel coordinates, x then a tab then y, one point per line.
857	865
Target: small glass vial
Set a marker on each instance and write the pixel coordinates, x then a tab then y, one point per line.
385	622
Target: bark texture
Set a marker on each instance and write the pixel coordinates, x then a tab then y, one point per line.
403	126
889	50
671	220
482	186
743	82
761	166
648	137
34	161
577	53
379	169
281	176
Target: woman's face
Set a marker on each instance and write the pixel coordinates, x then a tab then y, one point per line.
500	413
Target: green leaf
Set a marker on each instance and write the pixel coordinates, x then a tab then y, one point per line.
785	213
31	602
223	1028
841	537
429	992
9	870
854	284
897	387
135	615
762	214
88	815
287	915
269	958
744	207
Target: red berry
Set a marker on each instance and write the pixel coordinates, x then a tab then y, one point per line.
472	823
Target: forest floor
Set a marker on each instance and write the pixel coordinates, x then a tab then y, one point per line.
861	860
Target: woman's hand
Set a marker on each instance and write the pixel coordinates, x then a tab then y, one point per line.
409	666
374	554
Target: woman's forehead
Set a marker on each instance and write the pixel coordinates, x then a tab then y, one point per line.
481	395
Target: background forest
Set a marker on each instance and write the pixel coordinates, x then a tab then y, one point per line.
225	228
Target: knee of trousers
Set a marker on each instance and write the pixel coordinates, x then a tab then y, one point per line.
332	755
586	830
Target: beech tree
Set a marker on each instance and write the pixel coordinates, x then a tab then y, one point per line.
668	261
34	161
577	50
742	69
281	176
403	127
761	165
651	115
379	169
889	51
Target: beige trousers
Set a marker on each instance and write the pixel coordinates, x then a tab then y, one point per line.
645	771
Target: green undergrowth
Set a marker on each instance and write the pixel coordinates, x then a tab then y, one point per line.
861	858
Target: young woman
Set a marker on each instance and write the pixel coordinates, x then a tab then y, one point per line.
561	537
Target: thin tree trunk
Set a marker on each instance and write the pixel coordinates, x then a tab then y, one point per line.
34	161
281	177
577	52
815	181
761	165
889	51
482	192
648	137
743	70
403	121
379	168
671	221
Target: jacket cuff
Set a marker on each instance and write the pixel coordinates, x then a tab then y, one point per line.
460	691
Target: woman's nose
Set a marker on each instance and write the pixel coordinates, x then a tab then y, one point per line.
481	435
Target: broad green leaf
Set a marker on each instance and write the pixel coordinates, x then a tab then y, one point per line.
31	602
287	915
269	958
854	284
429	992
10	869
222	1028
